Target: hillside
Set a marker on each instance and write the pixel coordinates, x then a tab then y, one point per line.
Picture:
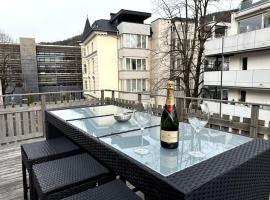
73	41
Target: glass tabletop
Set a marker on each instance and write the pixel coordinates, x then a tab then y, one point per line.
166	162
94	111
106	125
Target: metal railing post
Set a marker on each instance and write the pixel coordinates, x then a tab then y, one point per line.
43	108
139	97
102	99
254	119
180	108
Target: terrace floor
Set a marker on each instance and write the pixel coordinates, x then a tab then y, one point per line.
11	187
11	171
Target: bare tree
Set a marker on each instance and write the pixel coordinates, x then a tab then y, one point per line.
190	27
6	77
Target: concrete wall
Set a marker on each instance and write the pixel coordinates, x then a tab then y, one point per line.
134	28
29	65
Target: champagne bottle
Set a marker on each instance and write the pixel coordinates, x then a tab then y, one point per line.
169	133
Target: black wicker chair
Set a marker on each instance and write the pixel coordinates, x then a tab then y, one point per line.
38	152
115	190
67	176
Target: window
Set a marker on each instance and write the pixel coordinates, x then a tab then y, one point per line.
85	68
93	65
139	64
138	40
243	96
92	47
244	63
135	64
143	64
41	59
84	53
177	63
134	41
139	85
143	85
174	43
143	41
135	85
87	50
250	24
94	84
128	64
85	85
266	21
89	84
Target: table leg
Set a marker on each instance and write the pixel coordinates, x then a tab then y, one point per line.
25	189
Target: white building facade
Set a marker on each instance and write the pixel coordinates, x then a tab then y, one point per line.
116	54
246	69
246	52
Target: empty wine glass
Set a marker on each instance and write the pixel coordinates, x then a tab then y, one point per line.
142	116
198	116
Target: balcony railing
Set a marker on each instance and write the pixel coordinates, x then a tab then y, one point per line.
249	41
24	118
239	78
249	4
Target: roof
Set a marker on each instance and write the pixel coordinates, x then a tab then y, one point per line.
175	19
87	30
222	16
98	25
103	25
129	16
111	24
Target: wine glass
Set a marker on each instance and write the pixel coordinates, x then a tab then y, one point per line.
142	116
198	116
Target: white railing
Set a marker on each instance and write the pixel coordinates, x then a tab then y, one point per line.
239	78
240	42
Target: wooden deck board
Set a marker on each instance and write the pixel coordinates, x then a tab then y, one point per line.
11	171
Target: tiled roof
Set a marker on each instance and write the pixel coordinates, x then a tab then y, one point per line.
87	30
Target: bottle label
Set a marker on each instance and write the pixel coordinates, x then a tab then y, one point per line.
170	100
169	136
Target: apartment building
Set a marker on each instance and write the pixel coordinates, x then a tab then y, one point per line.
116	53
164	42
246	53
42	68
166	58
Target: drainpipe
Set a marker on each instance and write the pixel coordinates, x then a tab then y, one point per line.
118	41
221	79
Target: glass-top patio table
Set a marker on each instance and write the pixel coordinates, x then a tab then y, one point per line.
234	166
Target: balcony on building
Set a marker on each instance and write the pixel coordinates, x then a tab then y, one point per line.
249	31
250	79
245	42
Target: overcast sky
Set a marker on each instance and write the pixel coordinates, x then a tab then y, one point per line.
51	20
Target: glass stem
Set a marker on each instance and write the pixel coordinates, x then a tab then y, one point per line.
142	137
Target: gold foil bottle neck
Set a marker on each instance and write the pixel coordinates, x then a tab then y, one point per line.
170	85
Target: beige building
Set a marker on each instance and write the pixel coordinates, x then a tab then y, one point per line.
116	53
164	62
99	57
